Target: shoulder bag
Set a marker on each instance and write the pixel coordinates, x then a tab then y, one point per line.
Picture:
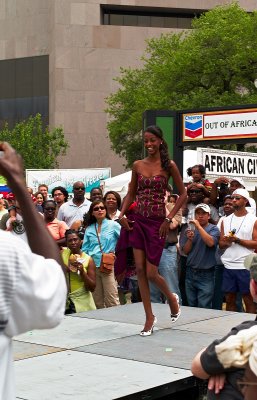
107	260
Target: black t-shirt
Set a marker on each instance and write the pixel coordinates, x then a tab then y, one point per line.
212	366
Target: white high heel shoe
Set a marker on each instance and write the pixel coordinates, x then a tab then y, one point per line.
148	333
175	317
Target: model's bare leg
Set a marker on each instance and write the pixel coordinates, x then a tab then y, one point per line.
230	301
250	306
154	276
140	263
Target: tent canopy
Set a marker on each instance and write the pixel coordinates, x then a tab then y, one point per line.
118	183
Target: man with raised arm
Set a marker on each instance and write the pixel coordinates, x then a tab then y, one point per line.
32	283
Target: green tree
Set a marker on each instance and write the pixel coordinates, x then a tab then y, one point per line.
214	64
38	146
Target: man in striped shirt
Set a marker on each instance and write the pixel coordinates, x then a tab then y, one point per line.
32	284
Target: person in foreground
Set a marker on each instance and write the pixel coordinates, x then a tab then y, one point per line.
32	283
151	226
224	361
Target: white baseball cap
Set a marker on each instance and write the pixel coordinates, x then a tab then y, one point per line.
204	207
244	193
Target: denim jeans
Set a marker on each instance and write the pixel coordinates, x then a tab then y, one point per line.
199	287
218	295
168	269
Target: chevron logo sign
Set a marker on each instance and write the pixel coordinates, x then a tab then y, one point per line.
193	126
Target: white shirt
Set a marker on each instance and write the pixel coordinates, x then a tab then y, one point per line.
234	256
35	299
70	212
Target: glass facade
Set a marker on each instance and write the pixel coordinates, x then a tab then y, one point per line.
24	89
132	17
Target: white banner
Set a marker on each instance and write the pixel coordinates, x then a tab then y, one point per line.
91	177
228	163
230	124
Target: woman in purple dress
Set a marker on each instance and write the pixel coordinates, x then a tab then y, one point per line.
150	227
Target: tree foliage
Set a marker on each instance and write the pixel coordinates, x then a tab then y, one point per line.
214	64
38	146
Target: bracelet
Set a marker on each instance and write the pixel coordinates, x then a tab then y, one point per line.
237	241
123	216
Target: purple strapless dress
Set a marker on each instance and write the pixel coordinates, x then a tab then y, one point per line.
151	213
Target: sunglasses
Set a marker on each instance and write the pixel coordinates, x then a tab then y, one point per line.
195	191
99	208
79	188
50	209
236	198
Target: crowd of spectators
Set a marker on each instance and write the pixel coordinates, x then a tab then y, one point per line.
203	255
203	259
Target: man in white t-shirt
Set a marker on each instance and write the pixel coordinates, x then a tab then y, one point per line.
238	239
32	284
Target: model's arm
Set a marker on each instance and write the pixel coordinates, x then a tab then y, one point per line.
176	221
175	174
132	189
39	238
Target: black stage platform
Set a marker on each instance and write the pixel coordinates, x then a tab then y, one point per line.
99	354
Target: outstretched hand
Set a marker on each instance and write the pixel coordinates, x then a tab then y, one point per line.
11	166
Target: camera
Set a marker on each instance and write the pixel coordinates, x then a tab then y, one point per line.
223	186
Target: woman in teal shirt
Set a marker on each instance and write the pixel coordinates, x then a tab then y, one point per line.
108	232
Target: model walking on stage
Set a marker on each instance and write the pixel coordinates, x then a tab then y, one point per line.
150	227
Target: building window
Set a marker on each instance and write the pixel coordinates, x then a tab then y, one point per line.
154	17
24	89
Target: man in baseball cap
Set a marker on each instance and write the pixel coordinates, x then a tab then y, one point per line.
200	245
238	183
203	207
243	193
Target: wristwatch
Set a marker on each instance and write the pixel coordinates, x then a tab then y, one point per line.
169	220
237	241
